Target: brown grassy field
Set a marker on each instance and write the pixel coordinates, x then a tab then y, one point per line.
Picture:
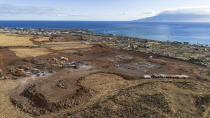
42	39
73	46
7	109
105	83
147	98
15	40
60	43
66	45
26	52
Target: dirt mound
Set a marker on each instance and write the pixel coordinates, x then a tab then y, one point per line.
151	99
53	93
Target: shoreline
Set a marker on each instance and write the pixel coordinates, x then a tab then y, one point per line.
178	31
54	31
197	54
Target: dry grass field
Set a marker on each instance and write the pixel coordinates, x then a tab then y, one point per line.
60	43
104	83
66	45
26	52
15	40
42	39
7	109
71	47
148	98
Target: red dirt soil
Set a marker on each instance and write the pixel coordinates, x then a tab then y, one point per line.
63	89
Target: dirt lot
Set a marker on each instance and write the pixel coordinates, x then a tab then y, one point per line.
96	81
26	52
15	40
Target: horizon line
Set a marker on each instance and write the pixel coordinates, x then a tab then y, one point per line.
106	21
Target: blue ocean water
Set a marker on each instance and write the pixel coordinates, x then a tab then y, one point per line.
194	33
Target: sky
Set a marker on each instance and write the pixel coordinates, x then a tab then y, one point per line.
92	10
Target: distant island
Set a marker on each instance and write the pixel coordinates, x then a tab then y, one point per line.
178	16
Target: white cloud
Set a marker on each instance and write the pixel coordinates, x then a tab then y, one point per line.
203	10
7	10
124	13
187	14
147	13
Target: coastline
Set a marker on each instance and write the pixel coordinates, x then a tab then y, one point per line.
89	69
197	54
194	33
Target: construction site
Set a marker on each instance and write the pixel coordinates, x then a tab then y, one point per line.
66	76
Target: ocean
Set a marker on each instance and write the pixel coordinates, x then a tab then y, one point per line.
194	33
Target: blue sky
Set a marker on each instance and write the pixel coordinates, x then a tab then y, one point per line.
97	10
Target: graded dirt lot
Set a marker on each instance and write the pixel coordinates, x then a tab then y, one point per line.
15	40
96	81
42	39
66	45
26	52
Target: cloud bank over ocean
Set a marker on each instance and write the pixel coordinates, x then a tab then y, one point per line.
187	14
8	11
14	11
189	10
